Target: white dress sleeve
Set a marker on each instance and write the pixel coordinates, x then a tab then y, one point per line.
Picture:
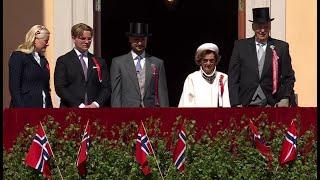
187	96
225	96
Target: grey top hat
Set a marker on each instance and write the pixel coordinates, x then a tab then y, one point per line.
138	29
261	15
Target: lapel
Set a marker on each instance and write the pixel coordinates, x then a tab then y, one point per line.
148	72
42	61
33	60
132	71
90	66
268	58
77	64
253	55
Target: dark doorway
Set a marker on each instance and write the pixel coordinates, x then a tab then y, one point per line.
177	31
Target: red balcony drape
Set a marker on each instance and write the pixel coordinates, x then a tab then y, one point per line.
14	120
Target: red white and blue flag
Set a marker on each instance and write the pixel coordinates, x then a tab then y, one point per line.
143	149
39	153
179	154
288	151
83	151
260	143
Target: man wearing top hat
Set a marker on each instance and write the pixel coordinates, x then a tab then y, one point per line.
260	71
137	78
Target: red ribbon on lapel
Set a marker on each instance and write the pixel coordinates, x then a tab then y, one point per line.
221	84
97	64
48	67
275	70
155	77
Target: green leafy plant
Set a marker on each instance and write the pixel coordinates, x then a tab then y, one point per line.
228	154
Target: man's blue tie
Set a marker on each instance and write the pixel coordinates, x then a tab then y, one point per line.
138	65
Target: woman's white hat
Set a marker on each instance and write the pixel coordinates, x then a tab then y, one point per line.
208	46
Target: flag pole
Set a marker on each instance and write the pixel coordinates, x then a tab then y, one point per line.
168	170
298	123
169	166
176	142
153	151
51	151
81	141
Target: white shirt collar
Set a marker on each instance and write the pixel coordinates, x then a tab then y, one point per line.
79	53
209	75
263	44
36	54
258	45
134	55
36	57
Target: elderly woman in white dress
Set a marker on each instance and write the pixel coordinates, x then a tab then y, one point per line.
206	87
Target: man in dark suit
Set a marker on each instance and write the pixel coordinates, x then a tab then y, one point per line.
260	70
137	78
80	79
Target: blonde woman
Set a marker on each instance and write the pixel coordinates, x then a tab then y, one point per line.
29	71
206	87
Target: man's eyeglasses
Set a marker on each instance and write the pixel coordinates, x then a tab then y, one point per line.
84	38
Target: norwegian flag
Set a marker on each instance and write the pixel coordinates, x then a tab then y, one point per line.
143	149
83	151
179	154
259	142
39	153
288	151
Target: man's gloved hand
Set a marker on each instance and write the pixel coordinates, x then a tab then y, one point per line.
282	103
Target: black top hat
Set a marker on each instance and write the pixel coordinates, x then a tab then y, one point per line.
261	15
138	29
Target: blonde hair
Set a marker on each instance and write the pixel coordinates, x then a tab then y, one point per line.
36	31
77	30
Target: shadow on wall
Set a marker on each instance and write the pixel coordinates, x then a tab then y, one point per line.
18	18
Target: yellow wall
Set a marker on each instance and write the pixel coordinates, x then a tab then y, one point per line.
18	17
15	26
48	22
17	20
301	34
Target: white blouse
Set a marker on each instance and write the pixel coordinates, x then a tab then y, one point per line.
197	92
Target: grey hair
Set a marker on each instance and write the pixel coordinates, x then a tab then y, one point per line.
200	54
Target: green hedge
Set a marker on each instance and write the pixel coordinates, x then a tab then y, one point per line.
229	154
